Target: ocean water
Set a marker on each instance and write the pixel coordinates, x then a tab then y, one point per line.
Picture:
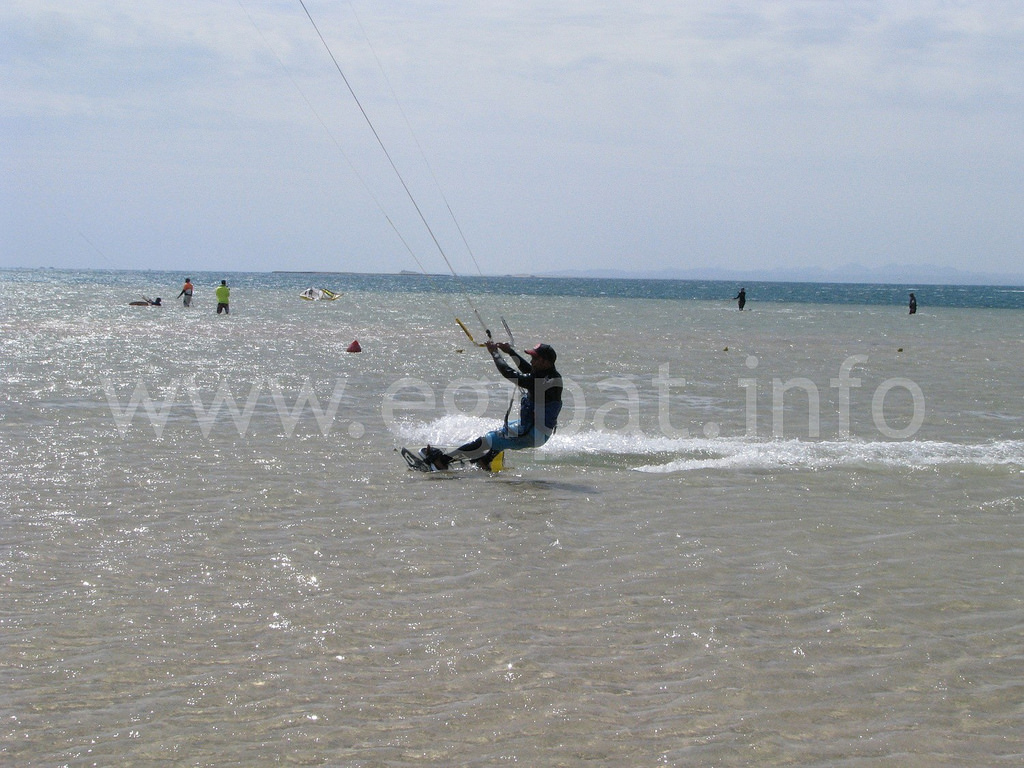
789	536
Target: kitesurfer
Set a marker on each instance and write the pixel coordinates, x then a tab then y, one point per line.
186	292
538	409
741	298
913	304
223	294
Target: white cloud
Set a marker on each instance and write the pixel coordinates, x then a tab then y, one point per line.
787	131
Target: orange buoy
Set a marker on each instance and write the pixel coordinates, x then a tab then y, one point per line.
354	347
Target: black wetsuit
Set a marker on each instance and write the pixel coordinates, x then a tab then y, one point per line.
542	397
538	411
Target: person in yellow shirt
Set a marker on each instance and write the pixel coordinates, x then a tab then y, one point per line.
223	293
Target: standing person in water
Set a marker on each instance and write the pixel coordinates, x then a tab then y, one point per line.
741	298
913	304
538	410
223	294
186	293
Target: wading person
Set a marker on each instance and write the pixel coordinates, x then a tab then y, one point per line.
186	292
223	296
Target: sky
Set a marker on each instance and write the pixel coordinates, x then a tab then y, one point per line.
647	136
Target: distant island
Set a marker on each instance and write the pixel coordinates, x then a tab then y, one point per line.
892	274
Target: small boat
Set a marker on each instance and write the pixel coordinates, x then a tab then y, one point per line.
319	294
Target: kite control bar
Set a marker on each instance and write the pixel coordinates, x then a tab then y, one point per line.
465	330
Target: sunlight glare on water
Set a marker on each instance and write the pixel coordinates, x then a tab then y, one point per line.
239	569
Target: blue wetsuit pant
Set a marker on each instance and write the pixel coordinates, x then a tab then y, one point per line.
505	438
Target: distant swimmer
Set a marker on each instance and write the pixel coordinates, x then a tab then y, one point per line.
538	409
223	294
913	304
146	302
741	298
186	293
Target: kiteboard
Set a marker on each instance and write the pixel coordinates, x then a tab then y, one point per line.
417	461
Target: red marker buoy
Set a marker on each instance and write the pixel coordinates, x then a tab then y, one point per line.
354	347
